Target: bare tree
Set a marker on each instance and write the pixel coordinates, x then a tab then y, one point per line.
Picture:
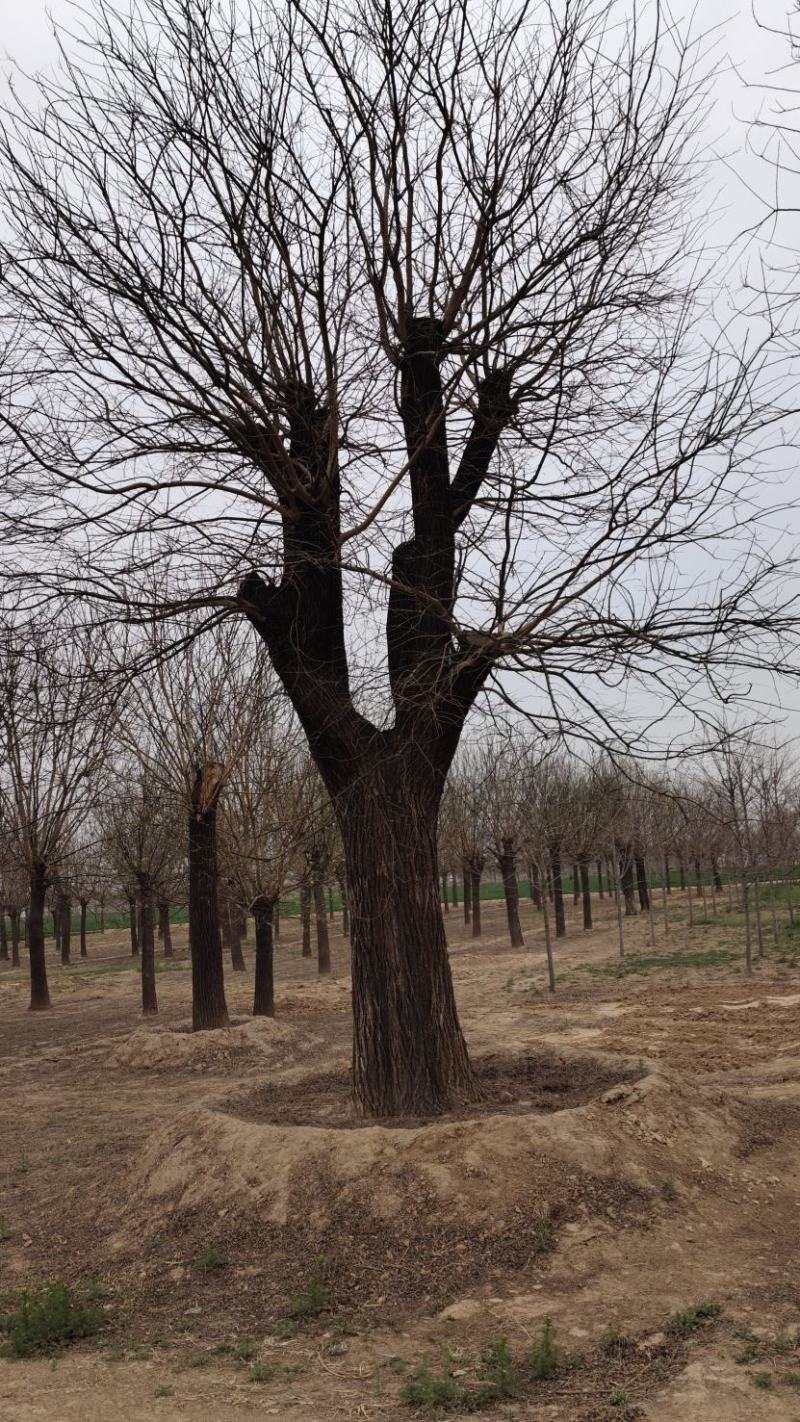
383	306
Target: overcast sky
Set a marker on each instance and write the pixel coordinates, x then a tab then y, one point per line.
750	60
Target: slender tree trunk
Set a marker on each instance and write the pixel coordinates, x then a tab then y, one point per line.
682	874
323	941
558	891
641	883
264	994
84	951
209	1009
65	920
790	894
3	935
618	899
626	881
536	890
134	928
276	920
475	897
445	900
576	885
698	874
330	902
716	874
600	878
748	933
40	996
15	938
586	893
467	873
148	947
772	905
237	956
454	889
650	910
102	915
757	902
667	876
305	918
165	928
664	906
346	908
548	946
508	869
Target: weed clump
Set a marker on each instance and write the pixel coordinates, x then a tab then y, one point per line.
501	1377
43	1322
546	1358
315	1298
433	1392
211	1258
687	1320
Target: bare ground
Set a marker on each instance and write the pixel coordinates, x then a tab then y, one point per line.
636	1153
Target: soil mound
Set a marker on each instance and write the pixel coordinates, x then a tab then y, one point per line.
161	1049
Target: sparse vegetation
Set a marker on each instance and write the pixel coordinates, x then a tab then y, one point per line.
44	1321
687	1321
546	1359
211	1258
315	1296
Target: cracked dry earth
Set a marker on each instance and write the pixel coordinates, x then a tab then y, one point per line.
636	1154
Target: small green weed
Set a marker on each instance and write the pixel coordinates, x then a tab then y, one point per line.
546	1358
44	1321
501	1377
762	1380
211	1258
613	1340
618	1398
163	1390
263	1372
197	1360
315	1298
5	1229
433	1392
687	1320
245	1350
791	1378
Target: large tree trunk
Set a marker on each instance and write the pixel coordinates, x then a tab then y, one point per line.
558	891
15	938
209	1010
264	994
148	947
84	952
586	893
409	1054
508	869
305	918
40	996
165	928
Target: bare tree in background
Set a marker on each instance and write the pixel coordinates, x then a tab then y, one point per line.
378	309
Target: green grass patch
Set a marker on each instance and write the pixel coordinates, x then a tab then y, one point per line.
688	1320
44	1321
660	962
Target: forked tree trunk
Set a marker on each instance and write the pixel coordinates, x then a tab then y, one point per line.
148	947
40	996
305	918
558	891
586	894
508	869
15	938
264	993
134	927
323	941
209	1010
409	1054
84	952
165	928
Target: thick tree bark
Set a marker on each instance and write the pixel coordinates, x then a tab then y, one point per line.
409	1054
641	883
558	890
209	1009
305	918
264	992
84	951
15	938
508	869
586	893
134	928
323	941
148	947
165	928
40	996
